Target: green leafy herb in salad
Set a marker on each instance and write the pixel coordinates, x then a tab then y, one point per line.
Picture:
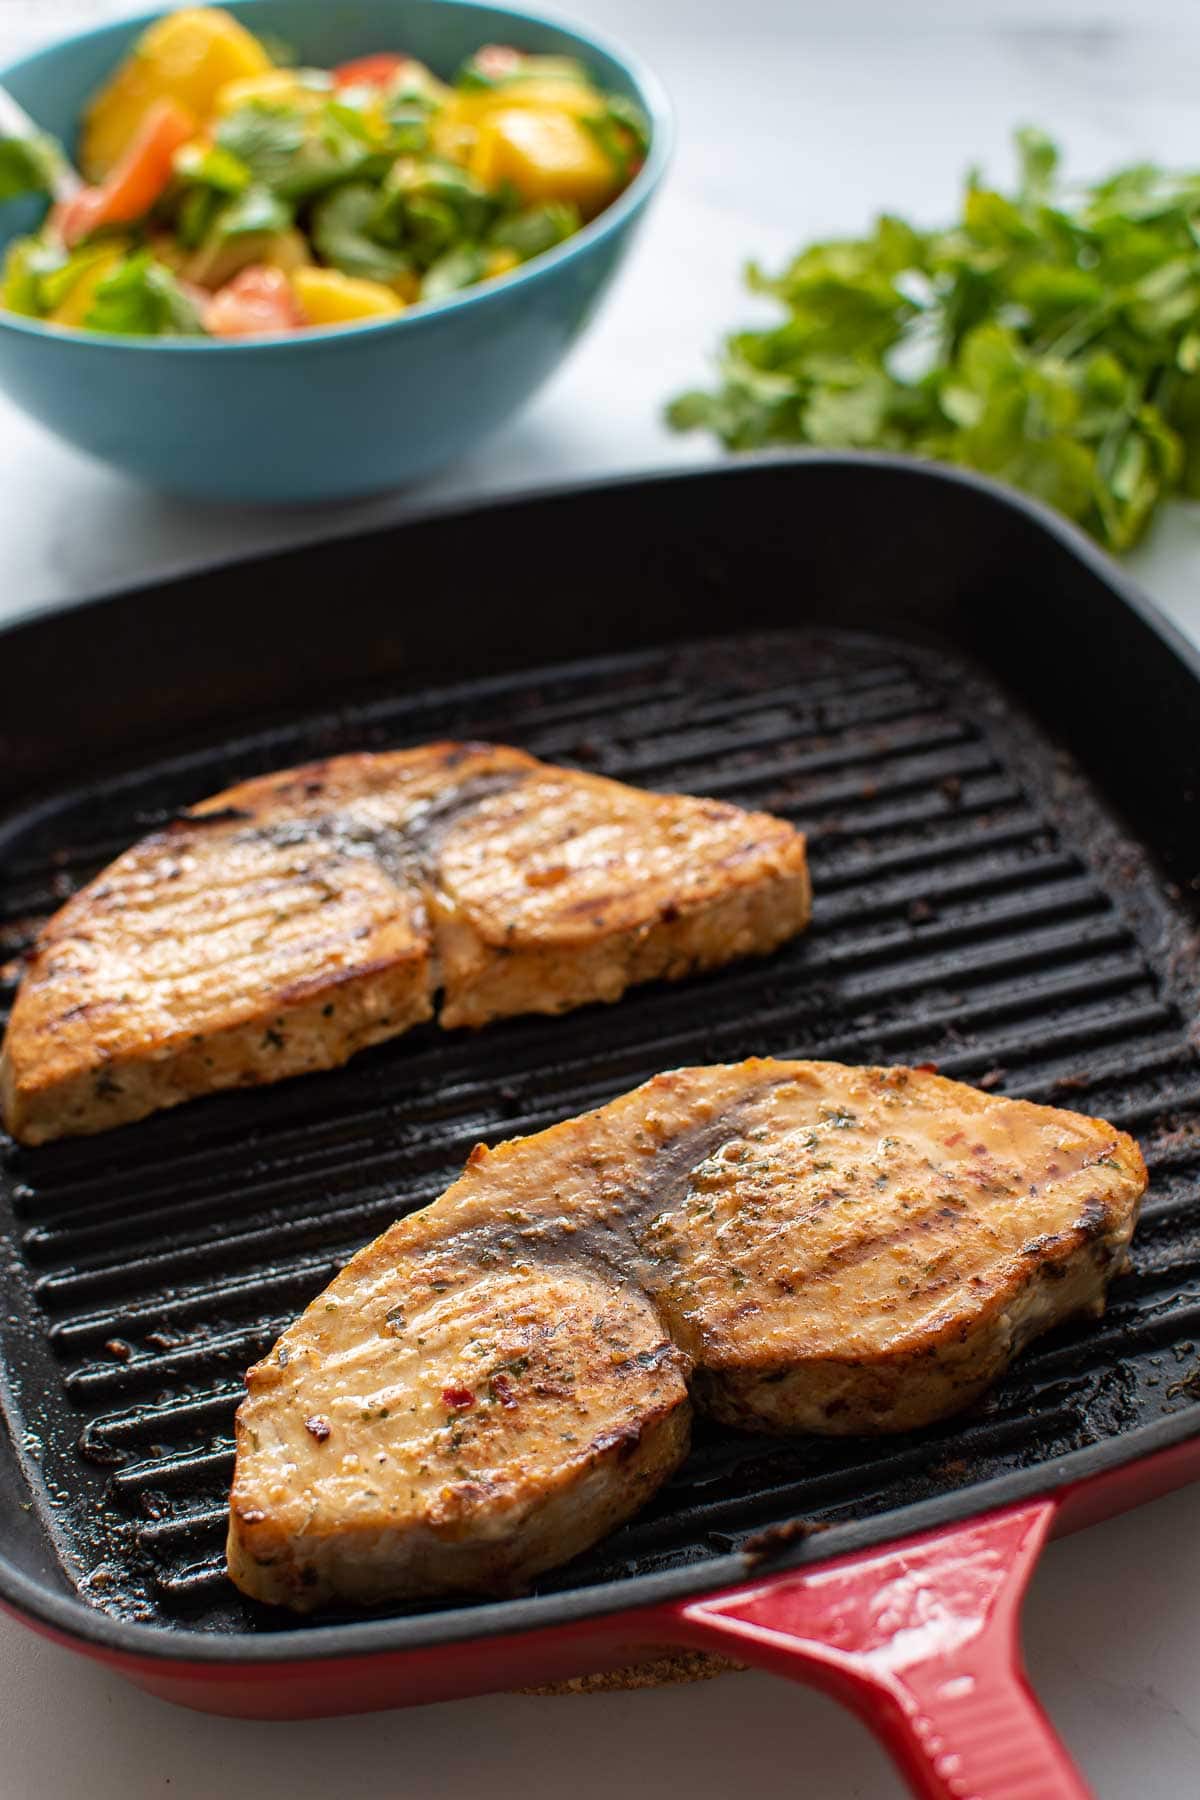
1049	337
454	269
343	234
142	298
27	166
540	228
230	195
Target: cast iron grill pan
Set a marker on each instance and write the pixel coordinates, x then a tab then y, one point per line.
976	906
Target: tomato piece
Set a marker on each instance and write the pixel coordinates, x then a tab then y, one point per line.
73	219
498	61
502	1390
131	188
257	300
369	71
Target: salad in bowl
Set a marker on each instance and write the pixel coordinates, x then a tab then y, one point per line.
228	193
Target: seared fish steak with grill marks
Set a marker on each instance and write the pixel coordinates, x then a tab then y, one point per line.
503	1377
299	917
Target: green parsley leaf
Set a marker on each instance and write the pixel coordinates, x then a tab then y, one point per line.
1049	337
342	234
265	139
216	195
27	165
459	268
408	126
622	132
257	210
141	298
28	261
300	153
208	165
1037	161
427	207
536	230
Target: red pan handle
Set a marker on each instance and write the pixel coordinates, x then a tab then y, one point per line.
921	1640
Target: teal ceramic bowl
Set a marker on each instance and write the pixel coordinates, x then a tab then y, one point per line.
327	414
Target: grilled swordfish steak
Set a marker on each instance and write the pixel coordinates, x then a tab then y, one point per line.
504	1376
292	920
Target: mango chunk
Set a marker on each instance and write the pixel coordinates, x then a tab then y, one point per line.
327	297
187	57
546	156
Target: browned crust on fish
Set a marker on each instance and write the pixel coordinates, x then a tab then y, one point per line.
298	917
810	1247
603	1413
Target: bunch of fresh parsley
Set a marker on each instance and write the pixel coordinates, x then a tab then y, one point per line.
1050	338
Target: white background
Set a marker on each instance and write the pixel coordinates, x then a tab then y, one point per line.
796	118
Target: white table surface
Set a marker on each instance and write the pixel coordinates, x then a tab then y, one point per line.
795	118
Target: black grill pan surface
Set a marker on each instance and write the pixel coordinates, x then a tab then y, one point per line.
1000	825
